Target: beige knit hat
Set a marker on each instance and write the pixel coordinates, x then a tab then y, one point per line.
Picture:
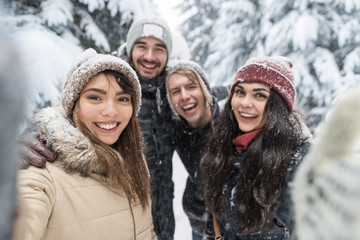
86	66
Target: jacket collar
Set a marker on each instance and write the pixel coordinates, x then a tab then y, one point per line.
150	85
73	149
189	130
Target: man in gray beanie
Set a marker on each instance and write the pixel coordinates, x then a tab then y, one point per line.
148	47
149	27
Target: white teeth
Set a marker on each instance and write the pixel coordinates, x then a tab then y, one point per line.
247	115
107	126
189	106
149	66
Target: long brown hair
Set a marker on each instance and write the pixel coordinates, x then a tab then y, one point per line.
123	162
262	176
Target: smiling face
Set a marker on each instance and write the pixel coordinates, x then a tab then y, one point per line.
149	57
104	108
248	104
188	99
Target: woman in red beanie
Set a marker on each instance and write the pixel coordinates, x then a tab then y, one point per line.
253	150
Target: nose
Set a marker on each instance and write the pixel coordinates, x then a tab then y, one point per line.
109	109
149	55
184	94
246	102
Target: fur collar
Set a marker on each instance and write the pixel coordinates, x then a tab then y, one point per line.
73	149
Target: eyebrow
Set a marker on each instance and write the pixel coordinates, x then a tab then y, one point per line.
173	89
102	91
192	82
255	89
144	43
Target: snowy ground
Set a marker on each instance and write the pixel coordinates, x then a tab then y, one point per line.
183	229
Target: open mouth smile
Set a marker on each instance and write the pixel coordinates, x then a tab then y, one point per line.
149	65
107	126
188	107
248	116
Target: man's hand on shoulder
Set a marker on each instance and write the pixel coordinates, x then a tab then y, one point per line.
32	151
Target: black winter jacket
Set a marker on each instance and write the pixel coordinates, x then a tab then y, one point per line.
283	222
157	127
190	144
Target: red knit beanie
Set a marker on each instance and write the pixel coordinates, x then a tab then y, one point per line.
273	71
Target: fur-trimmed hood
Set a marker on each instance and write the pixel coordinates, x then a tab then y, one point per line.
73	149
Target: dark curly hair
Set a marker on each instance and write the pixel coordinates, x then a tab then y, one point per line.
264	167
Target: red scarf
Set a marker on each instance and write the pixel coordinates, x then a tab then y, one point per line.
243	140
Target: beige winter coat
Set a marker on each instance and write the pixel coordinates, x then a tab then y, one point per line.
67	206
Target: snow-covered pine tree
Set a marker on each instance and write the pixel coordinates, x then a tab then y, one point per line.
322	37
198	26
99	24
325	48
51	33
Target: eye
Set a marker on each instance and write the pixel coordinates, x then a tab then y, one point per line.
124	99
239	91
160	50
261	95
94	97
141	47
192	86
174	92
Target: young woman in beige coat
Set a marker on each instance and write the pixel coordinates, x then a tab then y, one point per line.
98	187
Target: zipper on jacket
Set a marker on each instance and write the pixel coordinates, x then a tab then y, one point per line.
133	218
286	230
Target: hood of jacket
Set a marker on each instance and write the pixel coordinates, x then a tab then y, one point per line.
73	149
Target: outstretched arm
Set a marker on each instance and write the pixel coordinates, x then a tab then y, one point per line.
36	201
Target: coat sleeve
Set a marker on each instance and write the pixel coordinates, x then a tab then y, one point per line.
37	194
220	92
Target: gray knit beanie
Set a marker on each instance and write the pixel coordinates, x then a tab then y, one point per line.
149	27
198	71
86	66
